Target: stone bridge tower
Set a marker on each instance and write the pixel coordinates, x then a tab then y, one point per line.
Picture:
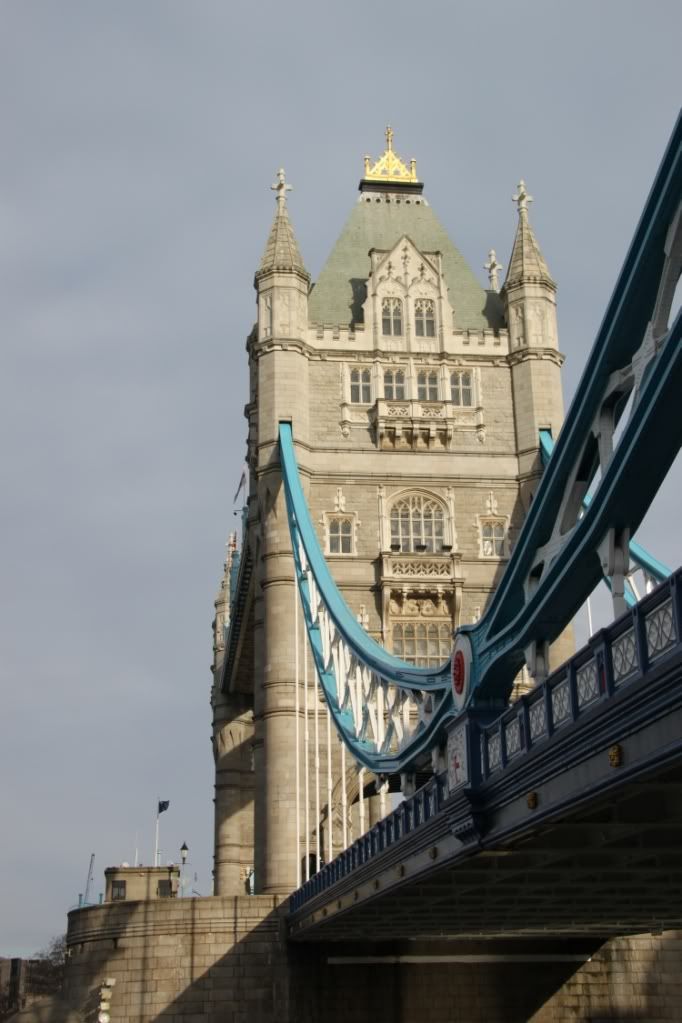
416	397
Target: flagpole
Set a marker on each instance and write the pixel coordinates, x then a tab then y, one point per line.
156	840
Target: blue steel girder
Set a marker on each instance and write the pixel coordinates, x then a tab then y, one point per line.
556	562
654	571
391	714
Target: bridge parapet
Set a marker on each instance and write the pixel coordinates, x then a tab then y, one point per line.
481	752
613	657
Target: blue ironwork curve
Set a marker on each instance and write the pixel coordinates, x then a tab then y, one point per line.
652	568
391	714
365	686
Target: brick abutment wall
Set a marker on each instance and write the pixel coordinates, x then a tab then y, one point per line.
227	959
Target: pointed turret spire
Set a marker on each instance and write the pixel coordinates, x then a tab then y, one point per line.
527	264
282	251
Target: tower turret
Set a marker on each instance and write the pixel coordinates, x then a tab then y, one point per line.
282	283
222	602
530	304
278	356
231	740
529	294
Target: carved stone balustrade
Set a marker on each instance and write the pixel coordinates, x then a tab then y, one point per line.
413	424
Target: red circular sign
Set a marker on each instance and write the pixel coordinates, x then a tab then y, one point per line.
458	672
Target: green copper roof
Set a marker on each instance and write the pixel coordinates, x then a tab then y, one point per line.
340	290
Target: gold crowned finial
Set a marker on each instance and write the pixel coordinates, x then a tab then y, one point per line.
389	167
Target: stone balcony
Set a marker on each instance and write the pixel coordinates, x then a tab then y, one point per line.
422	425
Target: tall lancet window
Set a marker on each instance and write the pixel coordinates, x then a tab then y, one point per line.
391	317
492	538
417	525
424	318
360	386
394	384
460	388
427	386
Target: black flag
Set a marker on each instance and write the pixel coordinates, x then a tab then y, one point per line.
163	805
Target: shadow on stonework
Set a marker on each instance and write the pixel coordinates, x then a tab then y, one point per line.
359	292
264	979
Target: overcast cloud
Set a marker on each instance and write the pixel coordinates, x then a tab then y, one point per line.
139	141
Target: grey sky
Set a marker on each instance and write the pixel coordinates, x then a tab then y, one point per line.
139	143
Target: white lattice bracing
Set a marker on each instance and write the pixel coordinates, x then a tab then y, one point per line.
379	712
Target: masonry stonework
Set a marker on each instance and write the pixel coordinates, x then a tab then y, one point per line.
226	959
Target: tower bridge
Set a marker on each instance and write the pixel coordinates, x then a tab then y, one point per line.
413	764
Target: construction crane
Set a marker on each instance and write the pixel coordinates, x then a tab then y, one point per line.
88	883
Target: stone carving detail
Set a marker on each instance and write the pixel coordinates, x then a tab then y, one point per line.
491	503
406	605
518	327
420	568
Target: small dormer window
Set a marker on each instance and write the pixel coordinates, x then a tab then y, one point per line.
424	318
360	386
394	384
460	388
392	317
427	386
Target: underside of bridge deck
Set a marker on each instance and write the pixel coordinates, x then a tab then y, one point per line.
611	868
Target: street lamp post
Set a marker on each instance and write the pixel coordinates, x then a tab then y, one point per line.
183	860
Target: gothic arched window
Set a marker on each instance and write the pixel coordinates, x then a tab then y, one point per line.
394	384
360	386
460	388
427	386
424	318
417	525
391	317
